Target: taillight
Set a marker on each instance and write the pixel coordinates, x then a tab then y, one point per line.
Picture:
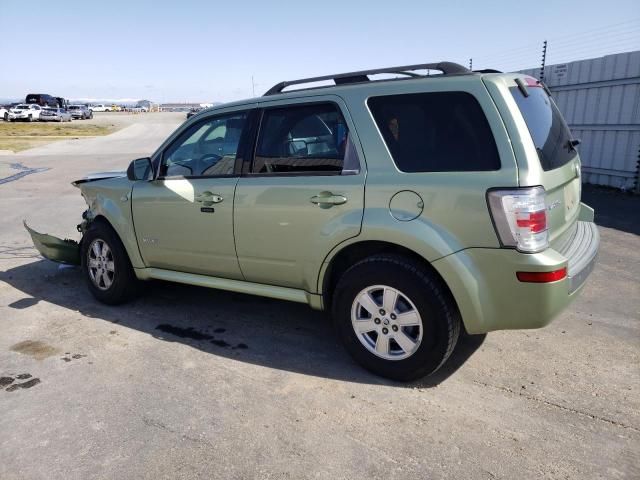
520	218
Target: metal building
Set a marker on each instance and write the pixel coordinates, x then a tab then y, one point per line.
600	99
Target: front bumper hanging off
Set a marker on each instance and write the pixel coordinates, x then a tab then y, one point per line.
62	251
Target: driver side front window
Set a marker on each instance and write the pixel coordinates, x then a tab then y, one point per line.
207	148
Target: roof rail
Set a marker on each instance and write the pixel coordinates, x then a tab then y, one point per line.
447	68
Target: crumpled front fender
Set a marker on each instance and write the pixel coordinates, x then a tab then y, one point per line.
62	251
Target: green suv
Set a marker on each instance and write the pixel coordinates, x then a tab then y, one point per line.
409	206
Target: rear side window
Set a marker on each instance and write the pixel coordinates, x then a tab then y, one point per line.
436	132
549	132
305	140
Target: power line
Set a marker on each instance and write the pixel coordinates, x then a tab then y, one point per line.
600	38
613	36
595	30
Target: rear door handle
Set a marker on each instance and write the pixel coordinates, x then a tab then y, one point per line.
328	199
208	198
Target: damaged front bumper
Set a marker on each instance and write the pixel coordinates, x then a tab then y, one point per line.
62	251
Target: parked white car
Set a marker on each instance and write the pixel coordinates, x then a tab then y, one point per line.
23	111
4	113
99	108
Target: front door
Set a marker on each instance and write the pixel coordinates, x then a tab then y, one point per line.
302	196
184	218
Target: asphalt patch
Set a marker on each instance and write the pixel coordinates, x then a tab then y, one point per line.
12	387
22	171
28	384
4	381
70	357
196	335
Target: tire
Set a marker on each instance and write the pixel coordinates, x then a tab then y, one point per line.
120	283
30	118
412	289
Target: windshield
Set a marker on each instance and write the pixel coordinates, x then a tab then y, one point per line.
549	132
22	107
74	107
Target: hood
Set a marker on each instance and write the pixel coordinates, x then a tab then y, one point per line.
92	177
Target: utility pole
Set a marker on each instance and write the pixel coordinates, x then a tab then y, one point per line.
544	59
253	86
471	64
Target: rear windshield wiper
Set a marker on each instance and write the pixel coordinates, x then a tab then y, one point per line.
572	144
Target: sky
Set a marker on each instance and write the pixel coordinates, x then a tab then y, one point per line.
204	51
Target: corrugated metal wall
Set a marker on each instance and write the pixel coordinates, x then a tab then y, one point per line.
600	99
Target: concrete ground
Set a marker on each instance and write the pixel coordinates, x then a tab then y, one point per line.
193	383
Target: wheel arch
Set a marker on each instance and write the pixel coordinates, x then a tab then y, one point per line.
354	252
128	240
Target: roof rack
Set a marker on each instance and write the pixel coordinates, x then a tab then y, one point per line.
447	68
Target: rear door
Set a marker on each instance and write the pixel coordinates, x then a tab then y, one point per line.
302	193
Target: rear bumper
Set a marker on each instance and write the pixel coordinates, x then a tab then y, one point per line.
581	251
490	297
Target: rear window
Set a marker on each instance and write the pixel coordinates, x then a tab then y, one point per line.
305	140
549	132
436	132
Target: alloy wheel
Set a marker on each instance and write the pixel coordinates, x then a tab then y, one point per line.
100	264
386	322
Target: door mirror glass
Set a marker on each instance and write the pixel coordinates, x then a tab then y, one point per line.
140	169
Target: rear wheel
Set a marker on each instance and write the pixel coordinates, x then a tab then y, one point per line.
395	317
106	266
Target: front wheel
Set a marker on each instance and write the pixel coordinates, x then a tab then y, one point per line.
106	266
395	317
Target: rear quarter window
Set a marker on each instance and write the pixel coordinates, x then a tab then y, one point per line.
435	132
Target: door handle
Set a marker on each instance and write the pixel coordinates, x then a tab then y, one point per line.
328	199
208	198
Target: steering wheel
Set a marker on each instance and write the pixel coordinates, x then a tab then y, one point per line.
207	161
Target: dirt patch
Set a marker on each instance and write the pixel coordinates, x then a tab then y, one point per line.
23	136
35	348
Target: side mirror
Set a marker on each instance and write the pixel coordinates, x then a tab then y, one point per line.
140	169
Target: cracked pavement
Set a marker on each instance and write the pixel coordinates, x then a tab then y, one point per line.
244	387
